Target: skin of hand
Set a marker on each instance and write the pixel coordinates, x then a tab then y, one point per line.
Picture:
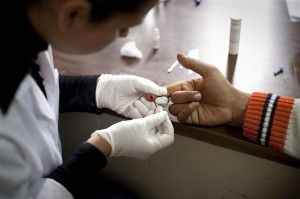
100	144
209	100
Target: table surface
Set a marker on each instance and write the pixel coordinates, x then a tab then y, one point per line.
268	39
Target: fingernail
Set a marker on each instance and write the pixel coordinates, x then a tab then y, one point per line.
197	96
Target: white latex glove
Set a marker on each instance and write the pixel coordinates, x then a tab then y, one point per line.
143	107
139	138
119	92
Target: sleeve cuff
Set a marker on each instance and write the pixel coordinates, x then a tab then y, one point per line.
267	119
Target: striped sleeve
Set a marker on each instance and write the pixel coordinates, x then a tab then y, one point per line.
273	121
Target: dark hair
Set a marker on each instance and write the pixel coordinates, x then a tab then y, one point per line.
102	9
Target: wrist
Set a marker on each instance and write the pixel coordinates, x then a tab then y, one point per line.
100	144
240	107
103	85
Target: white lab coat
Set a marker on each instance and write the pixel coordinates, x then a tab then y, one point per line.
29	139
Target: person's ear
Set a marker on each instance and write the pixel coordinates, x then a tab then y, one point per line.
74	15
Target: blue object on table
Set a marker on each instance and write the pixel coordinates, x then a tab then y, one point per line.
197	2
278	70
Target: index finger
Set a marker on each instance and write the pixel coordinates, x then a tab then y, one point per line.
195	65
185	96
171	88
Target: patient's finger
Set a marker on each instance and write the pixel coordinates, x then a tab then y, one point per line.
185	114
174	109
173	87
149	97
185	96
197	66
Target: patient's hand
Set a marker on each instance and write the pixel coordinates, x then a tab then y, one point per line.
208	100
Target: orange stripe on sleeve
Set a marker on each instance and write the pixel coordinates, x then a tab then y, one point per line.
280	123
254	115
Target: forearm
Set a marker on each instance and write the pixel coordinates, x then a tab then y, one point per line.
76	171
239	107
77	93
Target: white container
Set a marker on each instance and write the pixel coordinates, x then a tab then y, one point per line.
156	39
234	40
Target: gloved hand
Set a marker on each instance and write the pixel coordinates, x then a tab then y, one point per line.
119	92
142	107
139	138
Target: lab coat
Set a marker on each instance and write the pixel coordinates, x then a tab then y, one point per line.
29	139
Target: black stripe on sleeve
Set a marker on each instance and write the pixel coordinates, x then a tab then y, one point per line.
271	120
261	126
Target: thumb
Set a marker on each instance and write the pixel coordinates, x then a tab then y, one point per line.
147	86
195	65
162	91
156	119
166	133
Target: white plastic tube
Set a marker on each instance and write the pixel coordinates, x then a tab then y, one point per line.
234	40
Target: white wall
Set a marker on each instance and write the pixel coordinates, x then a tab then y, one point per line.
188	169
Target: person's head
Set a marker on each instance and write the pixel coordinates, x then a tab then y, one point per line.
85	26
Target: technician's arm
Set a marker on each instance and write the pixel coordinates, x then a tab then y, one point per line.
138	138
76	171
120	93
77	93
19	181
